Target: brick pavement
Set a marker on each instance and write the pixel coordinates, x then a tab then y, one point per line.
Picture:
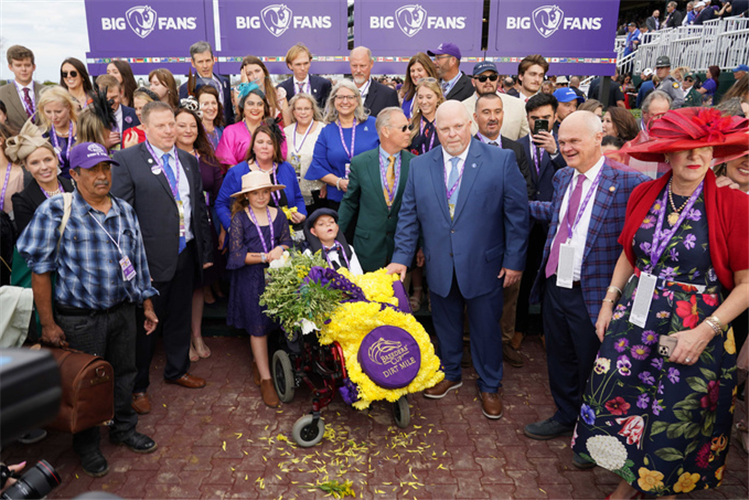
222	442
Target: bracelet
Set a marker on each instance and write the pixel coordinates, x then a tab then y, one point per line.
338	184
609	300
263	257
717	330
613	288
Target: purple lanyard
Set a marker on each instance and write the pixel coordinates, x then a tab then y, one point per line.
304	138
383	172
451	190
581	208
5	186
661	238
273	194
336	246
56	144
46	194
536	157
350	154
29	111
259	232
485	141
175	189
431	141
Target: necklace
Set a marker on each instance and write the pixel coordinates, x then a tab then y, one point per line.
673	217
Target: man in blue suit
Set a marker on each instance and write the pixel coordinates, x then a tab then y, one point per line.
298	61
468	202
201	58
590	200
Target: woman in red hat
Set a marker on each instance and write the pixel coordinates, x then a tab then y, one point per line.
658	407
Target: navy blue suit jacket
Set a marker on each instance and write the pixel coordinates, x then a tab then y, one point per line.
228	108
320	89
380	97
129	118
490	227
542	187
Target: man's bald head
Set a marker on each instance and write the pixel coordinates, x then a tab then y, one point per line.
453	125
580	137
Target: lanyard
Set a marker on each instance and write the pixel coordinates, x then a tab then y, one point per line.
581	208
5	186
536	154
451	190
304	138
56	144
661	238
486	141
46	194
276	195
257	227
119	228
29	111
350	153
383	172
337	246
365	89
422	127
175	189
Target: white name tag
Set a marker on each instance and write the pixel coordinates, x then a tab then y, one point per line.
128	271
565	266
643	298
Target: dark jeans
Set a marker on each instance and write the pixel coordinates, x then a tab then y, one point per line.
111	336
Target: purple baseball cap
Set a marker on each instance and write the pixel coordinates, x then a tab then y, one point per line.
88	155
445	48
566	94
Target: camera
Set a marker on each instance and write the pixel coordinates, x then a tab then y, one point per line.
37	482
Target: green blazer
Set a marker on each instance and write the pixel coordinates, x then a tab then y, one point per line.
364	206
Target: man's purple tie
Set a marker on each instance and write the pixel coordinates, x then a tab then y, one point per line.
301	87
563	229
29	103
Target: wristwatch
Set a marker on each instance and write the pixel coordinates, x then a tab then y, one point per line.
263	258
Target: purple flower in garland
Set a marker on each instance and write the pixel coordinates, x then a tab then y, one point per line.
673	375
694	215
689	241
657	363
643	401
621	345
640	351
589	416
349	391
649	337
646	378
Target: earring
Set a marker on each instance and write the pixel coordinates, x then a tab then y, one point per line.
666	159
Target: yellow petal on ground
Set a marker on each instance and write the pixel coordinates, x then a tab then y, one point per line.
544	492
223	446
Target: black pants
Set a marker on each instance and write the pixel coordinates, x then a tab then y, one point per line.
173	307
536	242
111	336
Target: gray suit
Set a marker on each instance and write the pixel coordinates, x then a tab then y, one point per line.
16	112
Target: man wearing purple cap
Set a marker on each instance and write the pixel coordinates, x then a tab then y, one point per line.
92	241
456	85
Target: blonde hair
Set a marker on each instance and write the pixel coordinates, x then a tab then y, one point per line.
316	113
680	72
433	85
52	94
91	128
331	114
295	51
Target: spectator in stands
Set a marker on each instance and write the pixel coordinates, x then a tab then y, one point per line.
690	15
654	22
668	83
575	85
419	66
633	39
594	106
201	58
298	59
620	123
374	96
124	74
561	81
705	12
611	143
616	96
646	86
531	72
689	86
739	71
739	91
568	103
710	85
547	87
674	17
163	85
456	85
655	105
508	85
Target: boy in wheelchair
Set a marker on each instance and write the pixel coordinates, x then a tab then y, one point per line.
322	233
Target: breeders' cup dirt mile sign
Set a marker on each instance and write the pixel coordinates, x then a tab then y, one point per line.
149	34
576	37
396	30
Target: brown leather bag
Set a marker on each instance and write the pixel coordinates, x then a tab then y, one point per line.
87	390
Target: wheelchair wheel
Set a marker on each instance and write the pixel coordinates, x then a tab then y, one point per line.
283	376
306	433
401	412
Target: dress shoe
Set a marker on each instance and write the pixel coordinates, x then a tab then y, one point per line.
255	373
268	392
547	429
141	403
139	443
582	463
189	381
440	390
33	436
511	356
491	405
94	464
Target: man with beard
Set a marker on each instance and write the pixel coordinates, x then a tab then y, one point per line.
375	95
456	85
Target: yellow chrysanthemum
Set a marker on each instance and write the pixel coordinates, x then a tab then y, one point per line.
730	343
686	483
650	480
377	286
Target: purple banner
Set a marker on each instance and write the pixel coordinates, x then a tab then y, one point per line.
575	37
148	34
268	30
396	30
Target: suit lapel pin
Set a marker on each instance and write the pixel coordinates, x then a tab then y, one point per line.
612	189
155	170
473	165
314	91
150	160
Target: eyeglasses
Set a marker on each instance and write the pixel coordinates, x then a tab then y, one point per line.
688	80
303	110
345	98
72	74
484	78
426	79
404	127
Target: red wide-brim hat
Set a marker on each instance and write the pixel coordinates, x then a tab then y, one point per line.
691	128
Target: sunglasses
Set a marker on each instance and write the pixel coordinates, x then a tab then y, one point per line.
484	78
72	74
688	80
405	127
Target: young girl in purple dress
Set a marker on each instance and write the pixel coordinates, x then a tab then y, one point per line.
259	235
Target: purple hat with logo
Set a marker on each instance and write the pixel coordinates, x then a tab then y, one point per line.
390	356
88	155
566	94
445	48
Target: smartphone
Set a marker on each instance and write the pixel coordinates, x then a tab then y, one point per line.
540	125
666	345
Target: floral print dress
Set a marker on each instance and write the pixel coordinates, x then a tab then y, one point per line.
663	427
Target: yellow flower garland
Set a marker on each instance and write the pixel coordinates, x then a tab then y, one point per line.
352	321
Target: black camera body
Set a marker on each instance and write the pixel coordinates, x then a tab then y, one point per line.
37	482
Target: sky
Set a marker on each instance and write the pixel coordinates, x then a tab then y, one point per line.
52	29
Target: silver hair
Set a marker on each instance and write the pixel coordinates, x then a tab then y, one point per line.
316	113
199	48
656	94
385	117
671	4
369	52
331	114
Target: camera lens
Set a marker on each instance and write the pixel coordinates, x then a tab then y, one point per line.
36	483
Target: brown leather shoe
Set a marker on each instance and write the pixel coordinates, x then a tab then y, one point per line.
511	356
189	381
268	391
440	390
491	405
141	403
255	373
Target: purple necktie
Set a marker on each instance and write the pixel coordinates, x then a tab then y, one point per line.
301	87
29	103
563	229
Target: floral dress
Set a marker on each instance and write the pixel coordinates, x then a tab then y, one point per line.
663	427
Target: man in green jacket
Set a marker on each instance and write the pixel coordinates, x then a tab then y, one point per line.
375	188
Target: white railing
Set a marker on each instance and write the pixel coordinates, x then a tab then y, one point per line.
724	43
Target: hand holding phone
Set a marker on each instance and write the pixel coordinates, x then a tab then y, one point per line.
666	345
